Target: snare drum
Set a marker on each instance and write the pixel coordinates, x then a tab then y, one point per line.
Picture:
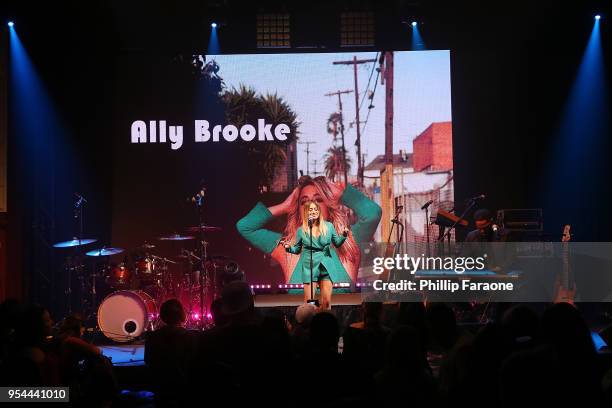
124	315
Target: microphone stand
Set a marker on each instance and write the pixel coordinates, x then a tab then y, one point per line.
198	199
77	265
203	257
400	235
426	208
312	299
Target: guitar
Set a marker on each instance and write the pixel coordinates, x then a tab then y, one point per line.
565	287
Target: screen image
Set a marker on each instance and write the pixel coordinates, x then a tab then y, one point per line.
240	143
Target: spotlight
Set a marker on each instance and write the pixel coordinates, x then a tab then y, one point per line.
597	17
232	272
10	24
414	23
214	25
357	28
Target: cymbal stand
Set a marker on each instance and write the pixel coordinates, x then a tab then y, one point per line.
73	265
198	199
193	277
97	272
165	279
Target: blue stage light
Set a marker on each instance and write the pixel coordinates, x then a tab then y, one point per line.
10	24
214	48
597	17
580	137
417	41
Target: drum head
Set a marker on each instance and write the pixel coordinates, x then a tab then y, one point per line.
124	315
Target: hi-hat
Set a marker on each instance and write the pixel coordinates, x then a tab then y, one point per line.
74	243
104	252
176	237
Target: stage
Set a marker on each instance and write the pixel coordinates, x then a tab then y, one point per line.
132	354
287	299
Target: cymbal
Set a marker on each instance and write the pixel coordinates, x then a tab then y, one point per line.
104	252
74	243
205	228
146	245
176	237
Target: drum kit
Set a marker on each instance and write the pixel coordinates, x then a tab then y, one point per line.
143	279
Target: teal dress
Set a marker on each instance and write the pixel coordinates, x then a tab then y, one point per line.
325	263
252	228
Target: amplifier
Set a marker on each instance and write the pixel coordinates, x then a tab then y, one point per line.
521	220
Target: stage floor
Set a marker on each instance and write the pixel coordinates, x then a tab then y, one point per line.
125	355
286	299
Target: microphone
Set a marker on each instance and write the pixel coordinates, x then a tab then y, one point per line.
81	201
198	199
496	232
478	197
427	204
310	221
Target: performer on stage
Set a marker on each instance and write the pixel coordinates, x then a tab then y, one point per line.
479	242
485	230
316	249
332	199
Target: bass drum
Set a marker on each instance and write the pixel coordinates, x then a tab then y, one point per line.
126	314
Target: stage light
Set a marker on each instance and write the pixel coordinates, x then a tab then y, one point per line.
357	29
597	17
10	24
417	41
587	103
232	272
273	30
214	47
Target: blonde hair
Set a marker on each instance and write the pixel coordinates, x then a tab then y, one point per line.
319	222
338	216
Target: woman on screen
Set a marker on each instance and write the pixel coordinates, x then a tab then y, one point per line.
331	199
